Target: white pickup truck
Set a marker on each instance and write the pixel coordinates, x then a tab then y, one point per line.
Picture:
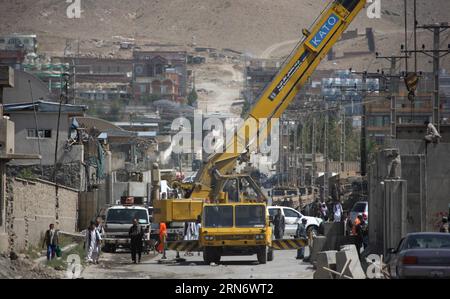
292	218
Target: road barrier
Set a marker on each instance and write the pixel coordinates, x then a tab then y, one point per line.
289	244
188	246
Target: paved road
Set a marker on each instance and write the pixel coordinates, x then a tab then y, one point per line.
117	266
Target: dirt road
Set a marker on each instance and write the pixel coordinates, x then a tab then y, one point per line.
118	266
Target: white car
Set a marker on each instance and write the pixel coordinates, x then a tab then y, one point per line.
292	218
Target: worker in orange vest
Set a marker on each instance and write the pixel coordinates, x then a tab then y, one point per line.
355	224
162	237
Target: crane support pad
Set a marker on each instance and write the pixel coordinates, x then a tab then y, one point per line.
188	246
289	244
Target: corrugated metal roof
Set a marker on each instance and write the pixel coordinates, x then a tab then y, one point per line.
44	106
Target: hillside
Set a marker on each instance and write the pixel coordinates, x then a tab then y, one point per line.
250	26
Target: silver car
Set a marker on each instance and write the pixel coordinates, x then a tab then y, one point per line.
421	255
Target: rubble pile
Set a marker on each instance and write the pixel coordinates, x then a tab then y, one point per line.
21	267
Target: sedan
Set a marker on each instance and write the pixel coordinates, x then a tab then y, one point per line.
421	255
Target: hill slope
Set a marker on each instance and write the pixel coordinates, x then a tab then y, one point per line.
250	26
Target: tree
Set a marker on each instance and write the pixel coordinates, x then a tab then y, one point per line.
114	110
192	98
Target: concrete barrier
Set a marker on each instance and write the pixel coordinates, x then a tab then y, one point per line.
318	245
354	269
325	259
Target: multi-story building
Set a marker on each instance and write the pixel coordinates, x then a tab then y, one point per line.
26	42
160	73
379	108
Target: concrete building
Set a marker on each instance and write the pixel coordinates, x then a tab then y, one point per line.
25	84
32	139
12	58
415	200
161	74
379	108
99	70
26	42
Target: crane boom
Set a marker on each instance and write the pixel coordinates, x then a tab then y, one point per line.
281	91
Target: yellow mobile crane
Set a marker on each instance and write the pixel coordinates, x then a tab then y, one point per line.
233	210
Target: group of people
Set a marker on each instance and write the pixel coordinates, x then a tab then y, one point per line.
328	212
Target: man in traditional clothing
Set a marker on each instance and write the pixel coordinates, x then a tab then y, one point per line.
92	243
337	211
432	135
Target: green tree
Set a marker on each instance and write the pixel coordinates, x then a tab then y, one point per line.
114	111
192	98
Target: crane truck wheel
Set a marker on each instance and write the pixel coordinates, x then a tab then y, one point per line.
211	255
262	255
270	255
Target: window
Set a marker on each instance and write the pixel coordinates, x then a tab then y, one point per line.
250	216
126	216
42	133
291	213
158	69
218	216
273	212
427	242
359	208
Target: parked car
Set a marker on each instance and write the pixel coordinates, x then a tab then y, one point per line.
293	218
360	208
421	255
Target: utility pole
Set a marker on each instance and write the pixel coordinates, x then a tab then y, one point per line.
280	159
342	148
303	158
363	147
436	54
295	169
288	153
325	153
313	151
393	89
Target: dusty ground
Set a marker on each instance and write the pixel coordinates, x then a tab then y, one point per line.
26	269
118	266
219	85
262	28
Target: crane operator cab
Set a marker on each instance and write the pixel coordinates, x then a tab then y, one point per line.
241	189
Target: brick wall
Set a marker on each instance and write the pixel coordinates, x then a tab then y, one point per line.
31	206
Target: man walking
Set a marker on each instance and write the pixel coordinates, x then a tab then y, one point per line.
279	224
337	211
51	241
92	243
301	234
136	235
